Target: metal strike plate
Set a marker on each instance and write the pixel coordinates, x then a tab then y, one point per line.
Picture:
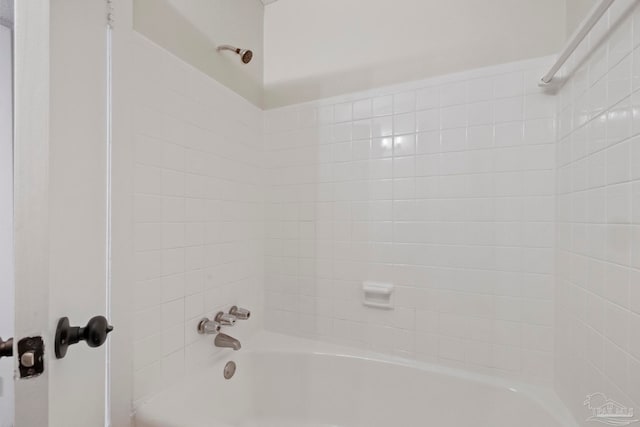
31	357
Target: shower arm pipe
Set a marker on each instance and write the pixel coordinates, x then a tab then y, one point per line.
228	47
585	26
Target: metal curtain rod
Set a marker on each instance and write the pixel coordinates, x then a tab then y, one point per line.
594	16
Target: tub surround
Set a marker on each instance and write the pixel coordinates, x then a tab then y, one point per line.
598	217
198	214
443	187
450	189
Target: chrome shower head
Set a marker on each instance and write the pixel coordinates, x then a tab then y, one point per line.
246	55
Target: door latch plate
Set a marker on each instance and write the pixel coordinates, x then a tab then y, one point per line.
31	357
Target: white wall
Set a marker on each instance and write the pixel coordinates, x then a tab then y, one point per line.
6	224
598	259
443	187
198	215
315	49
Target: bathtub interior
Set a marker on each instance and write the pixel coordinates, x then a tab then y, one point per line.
288	388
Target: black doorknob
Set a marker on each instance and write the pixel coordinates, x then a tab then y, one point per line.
95	334
6	348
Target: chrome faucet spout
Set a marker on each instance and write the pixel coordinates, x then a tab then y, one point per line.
225	341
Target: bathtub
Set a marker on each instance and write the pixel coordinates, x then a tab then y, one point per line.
281	381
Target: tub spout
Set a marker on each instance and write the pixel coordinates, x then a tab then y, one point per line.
224	340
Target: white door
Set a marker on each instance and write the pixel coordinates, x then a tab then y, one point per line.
62	231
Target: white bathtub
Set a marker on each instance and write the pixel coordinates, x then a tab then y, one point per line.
289	382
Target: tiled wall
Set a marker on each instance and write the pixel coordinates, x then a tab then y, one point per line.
198	214
598	286
444	188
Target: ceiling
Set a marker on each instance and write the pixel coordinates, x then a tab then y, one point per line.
266	2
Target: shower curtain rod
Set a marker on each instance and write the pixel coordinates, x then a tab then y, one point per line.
594	16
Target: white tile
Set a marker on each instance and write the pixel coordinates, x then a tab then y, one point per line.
173	183
172	313
508	85
480	89
173	368
451	349
539	131
148	265
453	117
147	180
342	112
453	139
172	287
538	365
453	94
381	147
428	142
404	102
428	98
404	145
634	158
509	109
147	381
173	156
508	134
172	235
382	126
621	42
635	203
307	117
383	106
362	109
404	123
146	351
403	167
147	236
428	120
619	204
480	136
480	113
361	129
342	132
172	339
506	358
147	208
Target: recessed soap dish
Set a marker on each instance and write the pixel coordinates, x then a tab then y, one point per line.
378	295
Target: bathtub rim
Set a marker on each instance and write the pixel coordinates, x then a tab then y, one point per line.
268	342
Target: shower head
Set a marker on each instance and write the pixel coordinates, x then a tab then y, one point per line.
246	55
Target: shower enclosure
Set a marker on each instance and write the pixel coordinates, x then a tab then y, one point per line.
417	225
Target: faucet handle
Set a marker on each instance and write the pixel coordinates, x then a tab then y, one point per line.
240	313
208	327
225	319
